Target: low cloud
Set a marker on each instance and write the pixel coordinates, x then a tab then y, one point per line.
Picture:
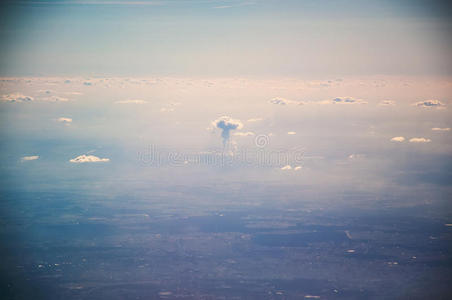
131	101
54	99
387	103
441	129
291	133
430	104
16	97
283	101
28	158
226	124
88	158
248	133
254	120
289	167
398	139
64	120
420	140
348	100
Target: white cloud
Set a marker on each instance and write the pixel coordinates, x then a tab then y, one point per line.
387	103
16	97
291	133
420	140
398	139
254	120
297	168
88	158
226	124
348	100
287	167
55	99
28	158
64	120
248	133
131	101
430	104
283	101
441	129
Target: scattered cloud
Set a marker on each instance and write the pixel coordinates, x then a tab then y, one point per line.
55	99
289	167
356	156
291	133
226	124
248	133
420	140
28	158
64	120
88	158
398	139
16	97
430	104
387	103
348	100
166	109
283	101
131	101
254	120
441	129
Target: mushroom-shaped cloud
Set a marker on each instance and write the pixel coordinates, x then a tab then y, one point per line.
226	124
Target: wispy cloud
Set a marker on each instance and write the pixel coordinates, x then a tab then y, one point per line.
248	133
398	139
420	140
88	158
348	100
387	103
430	104
16	97
28	158
131	101
441	129
64	120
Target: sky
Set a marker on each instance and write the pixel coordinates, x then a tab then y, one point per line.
225	38
337	101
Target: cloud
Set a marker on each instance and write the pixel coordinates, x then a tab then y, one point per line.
131	101
289	167
16	97
387	103
88	158
430	104
291	133
348	100
441	129
248	133
28	158
64	120
398	139
226	124
254	120
420	140
55	99
283	101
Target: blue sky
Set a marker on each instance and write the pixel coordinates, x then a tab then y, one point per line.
225	38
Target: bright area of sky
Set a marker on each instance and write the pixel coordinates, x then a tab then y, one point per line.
225	38
355	94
